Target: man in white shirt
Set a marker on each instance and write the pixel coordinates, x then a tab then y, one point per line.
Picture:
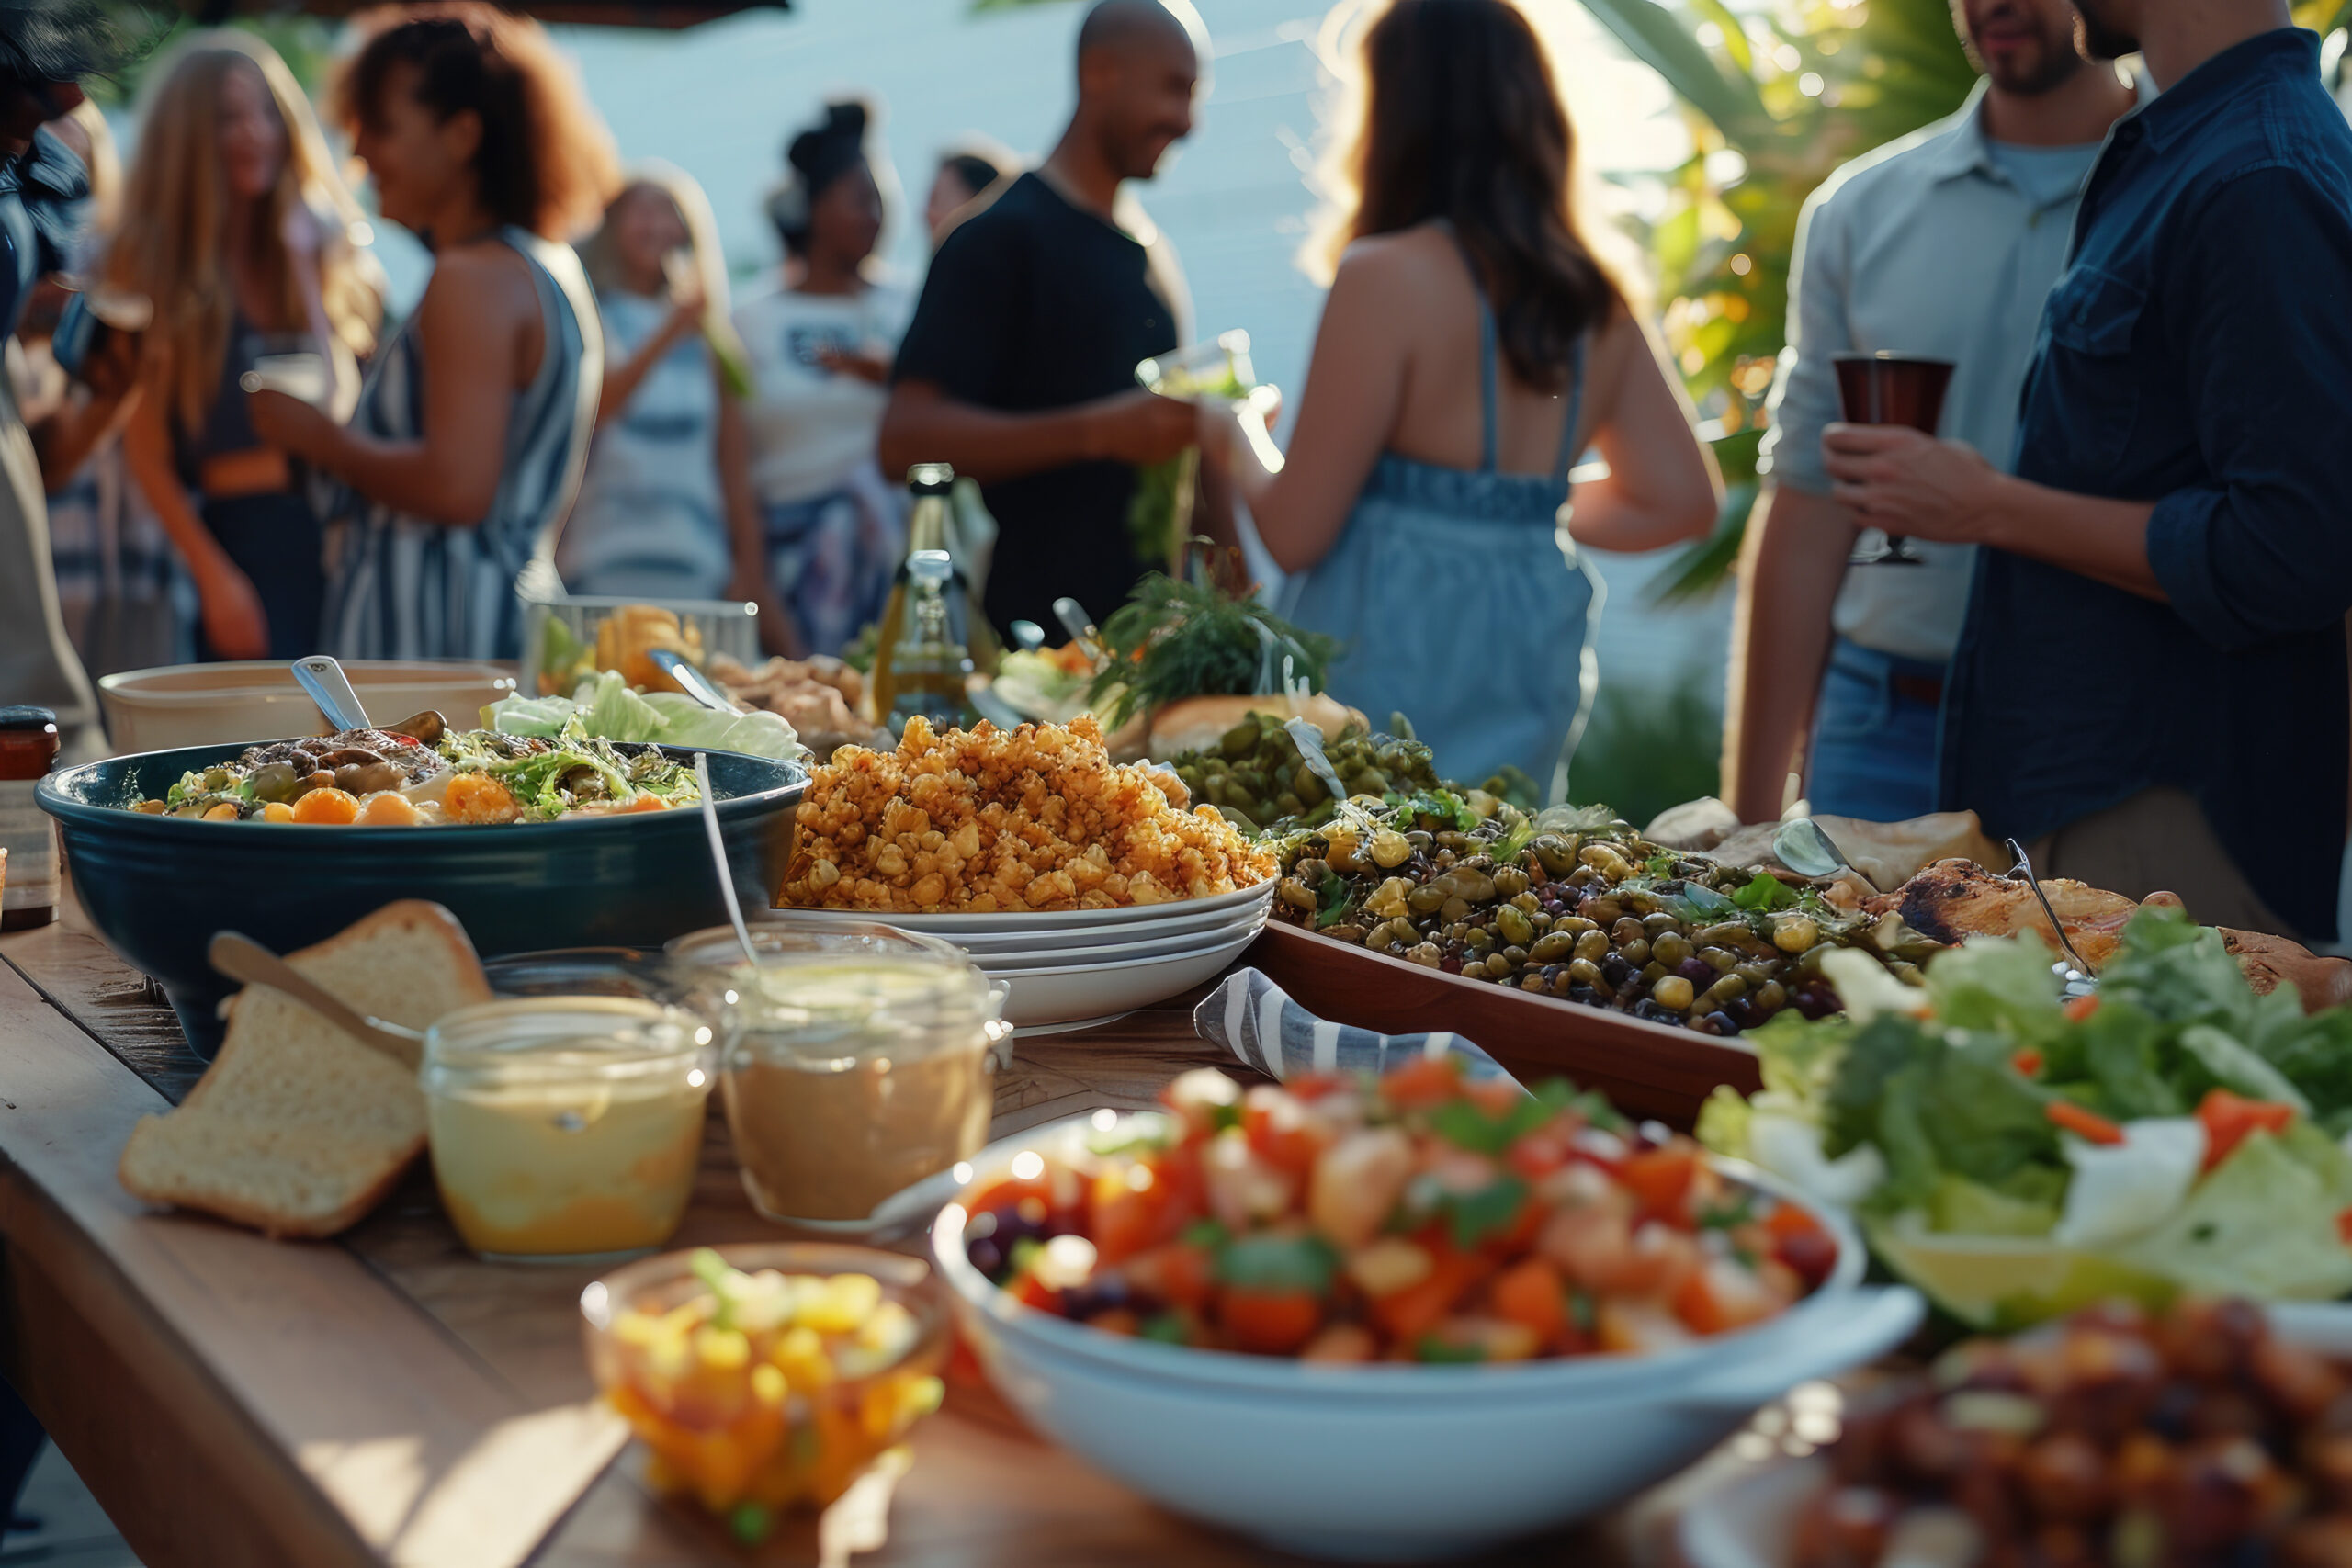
1942	244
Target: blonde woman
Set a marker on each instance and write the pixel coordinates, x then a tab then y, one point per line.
239	231
668	469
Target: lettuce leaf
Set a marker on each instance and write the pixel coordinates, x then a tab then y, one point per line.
606	707
2262	1224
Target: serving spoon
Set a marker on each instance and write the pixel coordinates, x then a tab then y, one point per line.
323	677
691	681
240	957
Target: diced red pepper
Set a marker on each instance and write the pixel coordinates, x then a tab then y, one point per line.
1412	1312
1312	1086
2085	1123
2027	1061
1532	1293
1421	1083
1660	1178
2081	1008
2230	1118
1270	1323
1537	1156
2344	1227
1278	1129
1123	1217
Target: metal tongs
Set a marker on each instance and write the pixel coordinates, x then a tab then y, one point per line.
2076	976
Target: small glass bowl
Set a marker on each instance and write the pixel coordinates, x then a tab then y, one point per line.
745	1444
566	1128
856	1061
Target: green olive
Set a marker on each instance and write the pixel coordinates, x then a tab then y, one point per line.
1626	928
1670	948
1660	921
1585	972
1795	933
1722	960
1513	924
1674	993
1771	997
1593	946
1554	946
1637	952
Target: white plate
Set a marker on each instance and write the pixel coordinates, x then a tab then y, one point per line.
1079	953
956	926
1750	1520
1089	990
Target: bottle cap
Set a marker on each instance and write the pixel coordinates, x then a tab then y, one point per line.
28	718
931	478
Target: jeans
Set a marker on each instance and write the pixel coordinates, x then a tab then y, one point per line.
1873	745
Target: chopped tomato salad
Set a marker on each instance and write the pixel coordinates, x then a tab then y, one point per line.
1425	1218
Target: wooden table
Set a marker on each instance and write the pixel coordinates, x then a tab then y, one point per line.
386	1398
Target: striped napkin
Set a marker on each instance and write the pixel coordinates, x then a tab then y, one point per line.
1256	1019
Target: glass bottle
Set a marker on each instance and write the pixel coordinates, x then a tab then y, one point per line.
930	668
932	485
28	838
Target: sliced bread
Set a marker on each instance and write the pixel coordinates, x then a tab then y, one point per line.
299	1130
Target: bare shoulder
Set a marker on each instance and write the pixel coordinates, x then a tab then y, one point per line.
481	284
1407	260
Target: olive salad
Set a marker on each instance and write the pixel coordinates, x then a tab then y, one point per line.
1573	903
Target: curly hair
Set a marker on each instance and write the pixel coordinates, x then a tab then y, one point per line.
545	162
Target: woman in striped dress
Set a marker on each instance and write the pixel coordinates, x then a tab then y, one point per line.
467	448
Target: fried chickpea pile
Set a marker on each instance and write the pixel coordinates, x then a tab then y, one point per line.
1038	818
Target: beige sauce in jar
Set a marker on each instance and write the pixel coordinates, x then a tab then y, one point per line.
847	1081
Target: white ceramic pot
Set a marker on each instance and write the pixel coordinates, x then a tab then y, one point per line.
218	705
1390	1462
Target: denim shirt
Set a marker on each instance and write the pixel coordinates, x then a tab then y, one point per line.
2196	354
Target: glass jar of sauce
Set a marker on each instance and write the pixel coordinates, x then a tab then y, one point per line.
28	838
854	1060
566	1128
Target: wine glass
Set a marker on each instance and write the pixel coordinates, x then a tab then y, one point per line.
1888	387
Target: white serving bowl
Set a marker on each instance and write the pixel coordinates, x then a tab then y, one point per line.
959	927
173	705
1390	1463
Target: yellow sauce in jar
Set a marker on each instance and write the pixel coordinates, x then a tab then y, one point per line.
566	1127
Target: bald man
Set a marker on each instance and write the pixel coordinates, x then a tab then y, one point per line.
1019	368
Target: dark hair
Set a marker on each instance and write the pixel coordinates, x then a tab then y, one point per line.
58	40
813	160
977	172
545	162
1462	122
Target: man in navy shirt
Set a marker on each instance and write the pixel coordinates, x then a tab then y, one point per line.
2151	681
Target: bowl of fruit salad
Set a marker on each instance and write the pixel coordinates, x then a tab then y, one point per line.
766	1376
1394	1320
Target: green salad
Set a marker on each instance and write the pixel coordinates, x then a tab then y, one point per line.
605	707
2016	1154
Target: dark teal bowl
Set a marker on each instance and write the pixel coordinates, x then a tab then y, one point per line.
158	888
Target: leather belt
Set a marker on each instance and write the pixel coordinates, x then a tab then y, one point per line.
1926	689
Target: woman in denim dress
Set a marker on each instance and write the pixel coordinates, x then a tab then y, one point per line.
1471	348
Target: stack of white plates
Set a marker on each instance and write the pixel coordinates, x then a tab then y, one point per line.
1077	967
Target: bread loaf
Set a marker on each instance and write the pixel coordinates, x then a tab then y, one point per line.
298	1130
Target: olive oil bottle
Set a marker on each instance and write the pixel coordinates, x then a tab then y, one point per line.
932	485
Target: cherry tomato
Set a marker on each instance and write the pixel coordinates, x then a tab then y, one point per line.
2232	1119
1661	1178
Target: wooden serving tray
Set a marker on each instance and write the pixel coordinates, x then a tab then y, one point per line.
1646	1068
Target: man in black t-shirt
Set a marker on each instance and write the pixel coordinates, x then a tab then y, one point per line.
1019	368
